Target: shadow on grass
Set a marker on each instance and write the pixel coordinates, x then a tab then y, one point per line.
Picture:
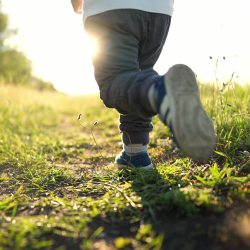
173	212
148	213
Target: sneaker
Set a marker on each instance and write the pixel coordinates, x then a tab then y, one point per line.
180	108
141	160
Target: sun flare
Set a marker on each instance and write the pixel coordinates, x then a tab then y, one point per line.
92	46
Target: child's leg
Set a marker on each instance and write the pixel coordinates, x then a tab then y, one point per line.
136	137
129	43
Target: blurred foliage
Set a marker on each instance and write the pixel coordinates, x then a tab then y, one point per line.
3	23
15	67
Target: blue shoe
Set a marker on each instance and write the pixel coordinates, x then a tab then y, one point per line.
180	108
141	160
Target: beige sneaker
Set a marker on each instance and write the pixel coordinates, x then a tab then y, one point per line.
180	108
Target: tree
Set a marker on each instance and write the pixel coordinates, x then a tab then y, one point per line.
3	26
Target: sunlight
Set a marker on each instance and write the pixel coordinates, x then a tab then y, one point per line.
70	68
91	45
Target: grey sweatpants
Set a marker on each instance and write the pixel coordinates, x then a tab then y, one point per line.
129	42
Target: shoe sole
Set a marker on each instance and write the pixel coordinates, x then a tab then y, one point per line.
191	126
120	167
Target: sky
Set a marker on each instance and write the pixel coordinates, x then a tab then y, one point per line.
52	36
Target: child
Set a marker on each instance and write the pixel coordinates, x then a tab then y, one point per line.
130	35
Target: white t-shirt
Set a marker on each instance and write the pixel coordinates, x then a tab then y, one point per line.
93	7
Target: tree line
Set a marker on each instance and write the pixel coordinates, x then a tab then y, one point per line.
15	67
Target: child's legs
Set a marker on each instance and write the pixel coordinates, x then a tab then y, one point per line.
129	43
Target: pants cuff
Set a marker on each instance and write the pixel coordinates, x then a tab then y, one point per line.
135	137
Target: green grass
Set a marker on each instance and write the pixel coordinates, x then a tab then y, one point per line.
60	190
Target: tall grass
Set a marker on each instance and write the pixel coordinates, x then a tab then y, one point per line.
228	106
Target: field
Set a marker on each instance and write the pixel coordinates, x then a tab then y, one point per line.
59	188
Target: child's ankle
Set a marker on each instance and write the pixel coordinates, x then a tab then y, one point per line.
134	149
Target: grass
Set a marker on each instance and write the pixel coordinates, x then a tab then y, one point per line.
60	190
